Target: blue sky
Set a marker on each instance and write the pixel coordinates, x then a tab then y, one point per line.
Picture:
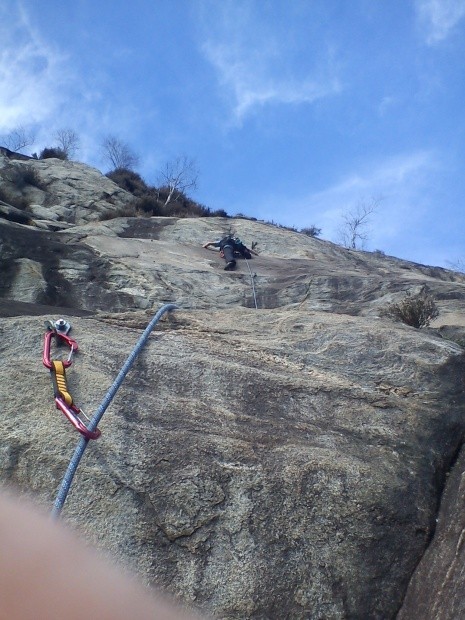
295	111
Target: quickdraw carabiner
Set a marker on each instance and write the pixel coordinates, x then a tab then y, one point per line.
63	399
60	336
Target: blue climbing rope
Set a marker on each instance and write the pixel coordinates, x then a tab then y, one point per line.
82	445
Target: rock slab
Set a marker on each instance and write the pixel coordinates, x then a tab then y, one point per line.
262	464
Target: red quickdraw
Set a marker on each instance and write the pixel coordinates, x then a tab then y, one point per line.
63	399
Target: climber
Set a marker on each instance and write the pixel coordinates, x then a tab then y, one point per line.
230	248
242	250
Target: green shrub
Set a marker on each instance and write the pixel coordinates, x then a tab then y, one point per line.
20	176
185	207
415	310
129	181
20	202
53	152
147	205
219	213
30	176
311	231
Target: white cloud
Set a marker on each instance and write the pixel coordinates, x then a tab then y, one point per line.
439	17
401	183
41	91
253	82
257	65
32	73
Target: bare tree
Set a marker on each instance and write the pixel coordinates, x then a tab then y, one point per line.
68	141
177	176
18	139
354	230
118	154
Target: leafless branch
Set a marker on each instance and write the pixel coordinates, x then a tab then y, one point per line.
354	231
178	176
68	141
18	139
118	154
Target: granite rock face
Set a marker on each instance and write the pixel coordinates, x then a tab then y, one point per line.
130	263
436	590
280	462
69	191
258	464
